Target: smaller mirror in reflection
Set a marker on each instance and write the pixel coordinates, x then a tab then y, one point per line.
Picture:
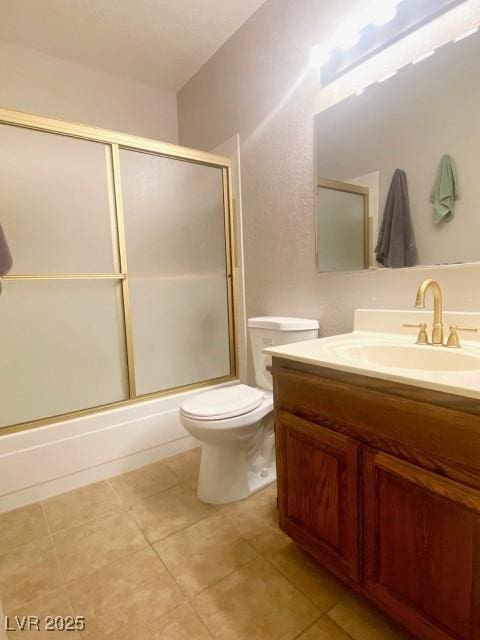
343	229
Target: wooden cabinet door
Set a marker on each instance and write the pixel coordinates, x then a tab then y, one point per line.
317	474
422	548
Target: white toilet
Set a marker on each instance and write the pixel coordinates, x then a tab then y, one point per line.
235	423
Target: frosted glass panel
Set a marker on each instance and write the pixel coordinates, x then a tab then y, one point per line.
175	236
340	230
61	346
54	202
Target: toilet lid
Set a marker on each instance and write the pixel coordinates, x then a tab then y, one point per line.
226	402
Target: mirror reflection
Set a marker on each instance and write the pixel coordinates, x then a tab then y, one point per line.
413	143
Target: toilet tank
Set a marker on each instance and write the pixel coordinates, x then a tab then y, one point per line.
271	331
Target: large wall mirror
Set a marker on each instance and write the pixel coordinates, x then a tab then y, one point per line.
411	145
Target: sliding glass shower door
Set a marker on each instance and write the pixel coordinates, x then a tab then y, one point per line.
174	214
61	326
121	281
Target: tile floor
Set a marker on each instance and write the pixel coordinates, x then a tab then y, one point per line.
140	557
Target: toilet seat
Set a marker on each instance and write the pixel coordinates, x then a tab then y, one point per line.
223	403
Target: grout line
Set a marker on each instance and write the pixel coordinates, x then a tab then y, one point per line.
105	566
120	508
299	588
310	626
168	571
204	624
332	607
337	624
62	585
103	516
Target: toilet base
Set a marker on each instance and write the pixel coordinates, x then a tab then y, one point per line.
226	477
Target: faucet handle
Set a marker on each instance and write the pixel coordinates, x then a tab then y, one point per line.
422	337
453	341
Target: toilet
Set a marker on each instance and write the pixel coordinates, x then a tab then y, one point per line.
235	423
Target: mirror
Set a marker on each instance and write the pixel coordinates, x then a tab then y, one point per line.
342	236
404	156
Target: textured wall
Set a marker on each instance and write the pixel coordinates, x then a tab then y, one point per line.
256	85
37	83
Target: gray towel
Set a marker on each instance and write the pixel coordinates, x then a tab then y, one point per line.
396	240
5	255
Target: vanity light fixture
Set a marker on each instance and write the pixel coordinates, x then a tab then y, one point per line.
377	13
376	26
470	32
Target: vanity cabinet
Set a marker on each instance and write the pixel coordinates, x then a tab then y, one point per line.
380	482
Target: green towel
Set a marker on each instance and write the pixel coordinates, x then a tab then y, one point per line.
444	191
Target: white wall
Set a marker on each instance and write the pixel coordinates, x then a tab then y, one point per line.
44	85
256	84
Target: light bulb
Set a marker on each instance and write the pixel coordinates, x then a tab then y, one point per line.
346	38
318	56
382	11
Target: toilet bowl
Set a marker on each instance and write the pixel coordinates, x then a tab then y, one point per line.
235	461
235	423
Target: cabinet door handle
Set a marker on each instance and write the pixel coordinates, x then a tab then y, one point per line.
269	368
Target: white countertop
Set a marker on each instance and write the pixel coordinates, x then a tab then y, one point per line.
383	331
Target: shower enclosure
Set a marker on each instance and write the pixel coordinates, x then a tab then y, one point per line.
121	286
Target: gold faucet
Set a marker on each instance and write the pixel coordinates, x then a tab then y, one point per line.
437	329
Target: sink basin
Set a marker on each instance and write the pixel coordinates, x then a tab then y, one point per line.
410	357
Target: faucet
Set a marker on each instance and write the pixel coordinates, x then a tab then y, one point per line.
437	330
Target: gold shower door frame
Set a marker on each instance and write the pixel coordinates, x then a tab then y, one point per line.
113	142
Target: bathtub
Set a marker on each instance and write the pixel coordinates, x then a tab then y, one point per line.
49	460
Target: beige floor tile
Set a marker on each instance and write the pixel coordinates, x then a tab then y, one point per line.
169	511
144	482
28	572
127	599
21	526
325	629
79	506
186	465
203	553
255	603
52	605
360	620
182	623
256	519
90	546
316	582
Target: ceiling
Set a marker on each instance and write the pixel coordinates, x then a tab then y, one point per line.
162	42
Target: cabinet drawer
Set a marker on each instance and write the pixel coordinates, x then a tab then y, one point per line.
376	417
